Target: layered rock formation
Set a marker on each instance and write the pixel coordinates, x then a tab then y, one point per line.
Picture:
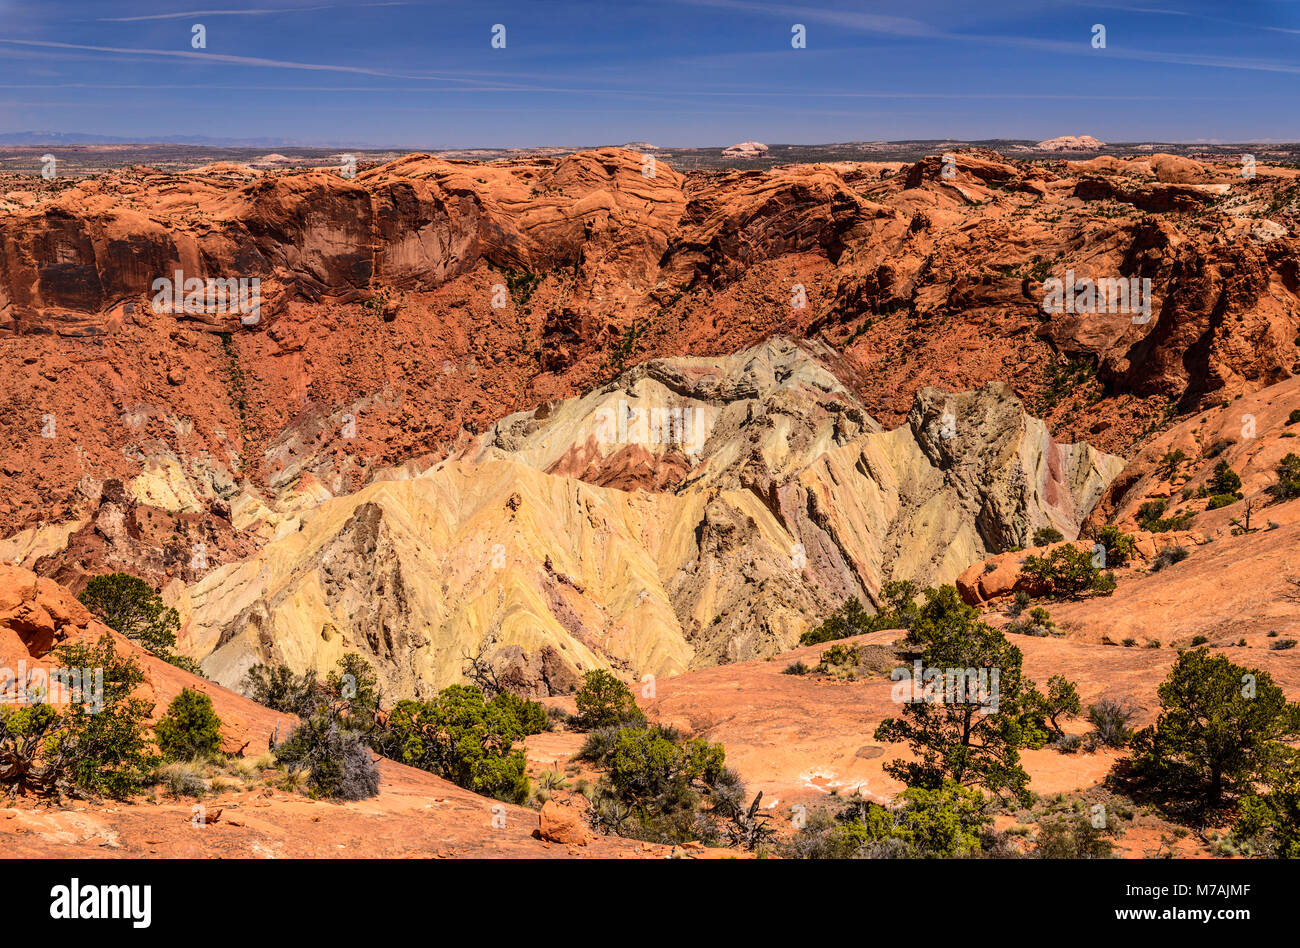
411	309
689	513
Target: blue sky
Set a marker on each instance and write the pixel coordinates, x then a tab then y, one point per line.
387	73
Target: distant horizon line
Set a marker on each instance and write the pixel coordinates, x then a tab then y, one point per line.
90	139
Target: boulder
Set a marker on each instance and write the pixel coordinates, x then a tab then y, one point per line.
561	824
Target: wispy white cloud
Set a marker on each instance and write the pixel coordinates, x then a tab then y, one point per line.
271	11
847	19
231	60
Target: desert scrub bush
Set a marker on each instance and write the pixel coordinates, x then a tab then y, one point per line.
1120	546
350	692
1224	482
1069	743
1019	603
384	304
1170	462
1065	572
1168	557
95	747
949	821
461	737
1047	535
1294	417
898	610
277	687
265	761
181	778
550	781
1039	623
845	656
656	786
1072	837
1268	817
1281	645
530	716
220	784
336	761
244	768
1288	479
604	701
1199	640
795	668
127	604
522	282
190	728
1109	718
1151	517
291	780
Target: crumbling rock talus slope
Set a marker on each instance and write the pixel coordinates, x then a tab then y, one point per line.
754	493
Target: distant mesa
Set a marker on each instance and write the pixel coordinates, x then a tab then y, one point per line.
640	146
1072	143
746	150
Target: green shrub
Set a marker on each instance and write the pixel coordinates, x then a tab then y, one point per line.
842	655
1150	517
190	728
1288	478
1224	481
1294	417
1120	546
655	786
127	604
1066	571
898	610
1168	556
1109	719
1268	823
1047	535
1072	837
604	701
1170	462
461	737
277	687
1221	500
96	746
795	668
1150	512
181	779
1038	624
336	760
531	716
949	821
